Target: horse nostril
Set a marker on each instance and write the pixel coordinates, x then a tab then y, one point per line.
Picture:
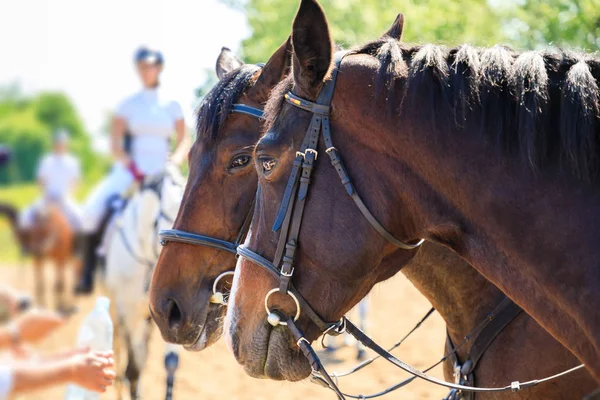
174	314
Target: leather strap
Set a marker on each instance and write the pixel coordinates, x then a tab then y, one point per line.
248	110
312	357
499	319
176	235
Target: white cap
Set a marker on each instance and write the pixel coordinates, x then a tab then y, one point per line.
103	303
61	136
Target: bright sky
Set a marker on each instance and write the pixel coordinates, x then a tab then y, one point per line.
85	48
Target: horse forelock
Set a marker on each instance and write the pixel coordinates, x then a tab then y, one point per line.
216	105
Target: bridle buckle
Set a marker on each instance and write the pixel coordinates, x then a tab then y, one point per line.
287	274
312	151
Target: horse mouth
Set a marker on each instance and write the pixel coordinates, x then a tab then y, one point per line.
210	331
273	355
200	343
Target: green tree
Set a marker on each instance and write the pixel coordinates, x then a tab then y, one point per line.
355	21
564	23
27	125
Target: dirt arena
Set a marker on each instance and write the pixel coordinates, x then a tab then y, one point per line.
395	306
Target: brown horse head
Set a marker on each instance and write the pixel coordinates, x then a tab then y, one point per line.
491	152
342	272
218	197
51	233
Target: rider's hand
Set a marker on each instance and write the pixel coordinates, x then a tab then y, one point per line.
35	324
93	370
135	172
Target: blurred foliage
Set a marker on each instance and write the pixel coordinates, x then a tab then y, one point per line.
356	21
27	125
520	23
563	23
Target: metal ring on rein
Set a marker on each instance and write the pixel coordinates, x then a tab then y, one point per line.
219	297
274	318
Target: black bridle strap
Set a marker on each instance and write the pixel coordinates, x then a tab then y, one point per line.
312	357
176	235
248	110
320	111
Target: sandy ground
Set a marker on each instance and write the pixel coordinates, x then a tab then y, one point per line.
395	306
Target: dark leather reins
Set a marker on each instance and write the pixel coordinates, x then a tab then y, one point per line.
288	222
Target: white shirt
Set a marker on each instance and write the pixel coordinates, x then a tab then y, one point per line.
59	172
151	121
6	381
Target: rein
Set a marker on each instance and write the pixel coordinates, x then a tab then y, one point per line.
177	235
288	222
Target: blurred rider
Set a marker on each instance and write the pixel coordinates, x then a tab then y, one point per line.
141	130
58	174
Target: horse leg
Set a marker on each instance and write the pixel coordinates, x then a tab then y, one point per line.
59	286
117	349
132	373
171	365
137	359
39	281
362	319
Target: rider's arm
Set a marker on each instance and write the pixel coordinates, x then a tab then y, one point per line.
41	173
182	143
92	371
117	134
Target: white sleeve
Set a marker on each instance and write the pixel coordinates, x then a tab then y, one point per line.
124	109
6	381
42	171
76	169
175	111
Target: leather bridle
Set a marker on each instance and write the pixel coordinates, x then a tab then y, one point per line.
177	235
288	222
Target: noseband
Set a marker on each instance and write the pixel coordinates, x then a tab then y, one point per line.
288	222
177	235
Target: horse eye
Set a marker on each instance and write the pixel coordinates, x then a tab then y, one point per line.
239	162
268	165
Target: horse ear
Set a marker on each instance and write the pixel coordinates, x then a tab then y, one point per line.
273	72
227	62
313	49
395	31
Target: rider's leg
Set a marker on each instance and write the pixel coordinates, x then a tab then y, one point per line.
26	219
92	215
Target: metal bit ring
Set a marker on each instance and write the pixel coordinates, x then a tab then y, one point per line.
292	295
218	297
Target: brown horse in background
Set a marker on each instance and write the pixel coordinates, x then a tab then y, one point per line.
461	295
486	151
12	215
51	239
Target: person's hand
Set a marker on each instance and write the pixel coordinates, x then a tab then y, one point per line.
36	324
135	171
93	370
11	298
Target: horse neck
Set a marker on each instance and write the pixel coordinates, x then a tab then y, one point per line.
533	234
458	292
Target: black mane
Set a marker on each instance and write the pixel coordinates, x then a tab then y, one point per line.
217	104
542	105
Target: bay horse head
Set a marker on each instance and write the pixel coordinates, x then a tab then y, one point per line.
217	201
342	271
490	152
